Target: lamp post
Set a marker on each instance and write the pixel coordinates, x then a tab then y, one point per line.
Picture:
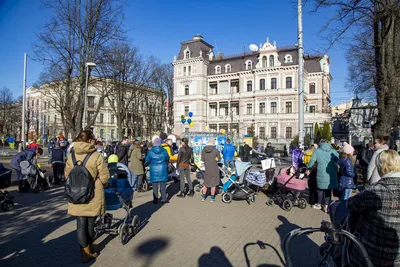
87	65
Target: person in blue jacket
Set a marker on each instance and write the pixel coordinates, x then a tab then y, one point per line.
229	154
158	159
29	155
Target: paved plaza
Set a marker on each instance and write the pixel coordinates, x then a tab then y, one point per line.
185	232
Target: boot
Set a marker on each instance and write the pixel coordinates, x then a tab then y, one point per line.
87	255
191	193
181	194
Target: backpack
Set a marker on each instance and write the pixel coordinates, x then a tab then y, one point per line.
79	187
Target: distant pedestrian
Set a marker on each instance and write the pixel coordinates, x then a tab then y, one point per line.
136	162
122	151
381	144
210	156
185	157
269	150
246	153
57	160
158	159
228	154
28	155
347	173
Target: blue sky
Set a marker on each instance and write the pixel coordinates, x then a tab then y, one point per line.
158	27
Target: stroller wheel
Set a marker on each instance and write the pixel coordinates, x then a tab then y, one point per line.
198	188
145	186
287	205
7	205
123	232
302	203
37	188
227	197
253	198
135	225
199	175
270	202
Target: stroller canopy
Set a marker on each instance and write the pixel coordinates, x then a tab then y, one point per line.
241	167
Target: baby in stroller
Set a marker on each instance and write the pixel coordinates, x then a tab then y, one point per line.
236	188
291	188
119	195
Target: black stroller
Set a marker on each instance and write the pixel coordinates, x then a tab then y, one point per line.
6	200
33	178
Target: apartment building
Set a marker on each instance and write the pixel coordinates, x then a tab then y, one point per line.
258	88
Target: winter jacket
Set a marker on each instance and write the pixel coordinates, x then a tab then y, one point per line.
211	156
168	149
229	152
158	158
366	156
122	153
99	171
57	155
185	156
27	154
269	151
327	167
246	153
372	172
297	158
136	164
378	224
347	173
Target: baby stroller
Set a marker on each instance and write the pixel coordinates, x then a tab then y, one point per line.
291	189
6	201
119	194
33	178
224	176
235	188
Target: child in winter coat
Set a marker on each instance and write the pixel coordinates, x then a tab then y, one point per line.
346	184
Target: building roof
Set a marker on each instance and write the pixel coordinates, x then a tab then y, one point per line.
195	46
237	62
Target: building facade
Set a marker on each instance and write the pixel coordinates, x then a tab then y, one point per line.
256	90
145	115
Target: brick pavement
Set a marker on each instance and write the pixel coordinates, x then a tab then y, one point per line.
186	232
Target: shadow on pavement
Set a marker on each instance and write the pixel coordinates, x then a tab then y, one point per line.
216	257
303	250
150	249
27	235
262	246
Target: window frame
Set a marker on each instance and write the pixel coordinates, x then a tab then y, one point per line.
314	87
249	109
264	61
274	81
262	84
274	132
289	79
228	66
261	107
274	108
261	132
186	109
249	84
249	65
218	69
271	58
288	105
186	90
289	133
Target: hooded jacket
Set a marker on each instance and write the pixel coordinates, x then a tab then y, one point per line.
229	152
327	167
27	154
158	158
168	149
347	173
372	173
99	171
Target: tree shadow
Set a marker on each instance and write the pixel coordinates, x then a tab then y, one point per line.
149	249
303	250
262	246
216	257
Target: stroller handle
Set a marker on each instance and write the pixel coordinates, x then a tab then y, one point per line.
334	230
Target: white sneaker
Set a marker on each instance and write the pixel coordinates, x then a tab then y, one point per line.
317	206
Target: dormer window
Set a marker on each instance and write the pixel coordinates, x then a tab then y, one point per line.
186	53
227	68
264	61
288	59
271	61
217	69
249	65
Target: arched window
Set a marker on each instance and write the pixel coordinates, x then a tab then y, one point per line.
271	61
186	89
249	65
311	88
217	69
288	82
249	86
288	132
187	54
274	83
288	59
227	68
264	62
262	84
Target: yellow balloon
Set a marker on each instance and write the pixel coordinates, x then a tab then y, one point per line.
223	131
207	128
191	124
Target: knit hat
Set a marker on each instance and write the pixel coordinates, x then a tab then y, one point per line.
157	142
348	149
163	136
211	142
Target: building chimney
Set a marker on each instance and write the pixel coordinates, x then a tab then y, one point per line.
220	56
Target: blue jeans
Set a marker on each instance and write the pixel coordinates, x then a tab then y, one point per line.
229	163
346	194
163	189
324	196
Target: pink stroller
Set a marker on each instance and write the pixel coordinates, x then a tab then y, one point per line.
291	189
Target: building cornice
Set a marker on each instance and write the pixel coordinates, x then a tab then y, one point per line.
190	61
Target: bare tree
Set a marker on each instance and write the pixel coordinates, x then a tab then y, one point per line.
5	103
163	80
374	51
129	75
79	32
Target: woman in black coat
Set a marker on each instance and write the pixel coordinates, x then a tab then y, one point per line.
210	156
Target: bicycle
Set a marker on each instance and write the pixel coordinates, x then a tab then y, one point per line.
334	236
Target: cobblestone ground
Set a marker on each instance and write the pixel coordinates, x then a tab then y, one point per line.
185	232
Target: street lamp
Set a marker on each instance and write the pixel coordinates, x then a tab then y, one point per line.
87	65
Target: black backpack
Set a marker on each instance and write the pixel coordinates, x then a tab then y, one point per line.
79	187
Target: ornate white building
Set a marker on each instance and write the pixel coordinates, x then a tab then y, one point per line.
259	88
